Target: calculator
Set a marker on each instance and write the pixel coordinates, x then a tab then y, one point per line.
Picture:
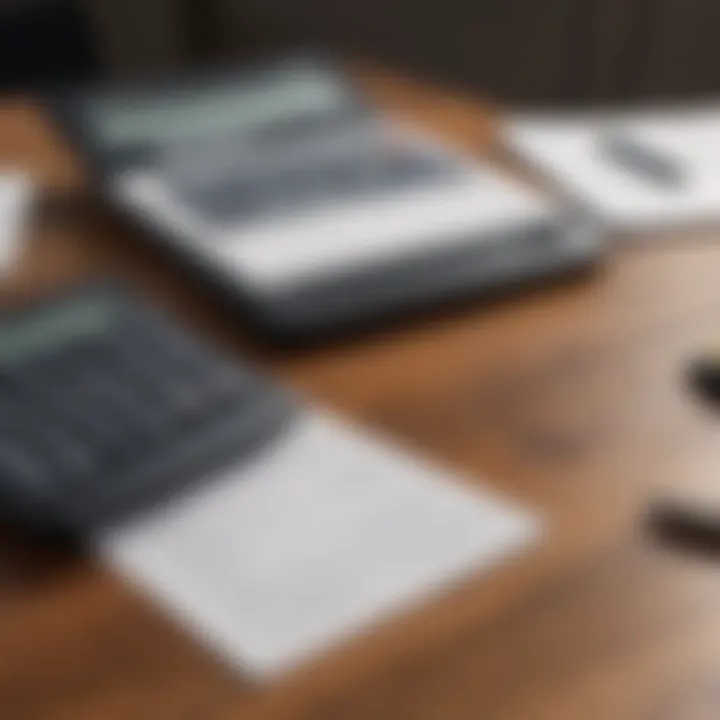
282	186
108	407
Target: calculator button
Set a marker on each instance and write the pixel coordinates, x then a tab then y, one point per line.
69	459
48	440
19	465
87	420
55	397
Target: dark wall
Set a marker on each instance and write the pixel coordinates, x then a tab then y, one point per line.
523	51
527	51
43	42
511	48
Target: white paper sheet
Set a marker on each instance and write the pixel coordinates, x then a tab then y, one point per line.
15	194
566	148
312	542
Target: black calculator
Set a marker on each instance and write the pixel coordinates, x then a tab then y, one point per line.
282	185
107	408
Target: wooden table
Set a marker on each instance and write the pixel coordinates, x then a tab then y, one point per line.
570	399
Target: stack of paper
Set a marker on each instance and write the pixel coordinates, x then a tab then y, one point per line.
571	150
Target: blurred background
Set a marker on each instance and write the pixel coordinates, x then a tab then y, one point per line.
575	401
520	51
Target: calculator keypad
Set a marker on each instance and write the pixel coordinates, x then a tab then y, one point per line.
96	425
365	168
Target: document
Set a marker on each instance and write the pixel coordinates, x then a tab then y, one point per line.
571	150
329	530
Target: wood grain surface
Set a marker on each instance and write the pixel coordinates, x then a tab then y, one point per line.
569	398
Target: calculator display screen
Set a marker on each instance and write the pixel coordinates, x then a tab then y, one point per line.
185	114
27	338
